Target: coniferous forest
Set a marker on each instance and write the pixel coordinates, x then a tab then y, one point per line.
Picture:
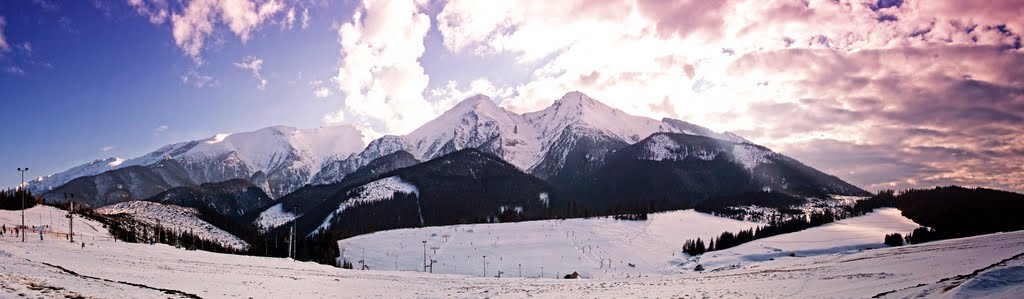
11	199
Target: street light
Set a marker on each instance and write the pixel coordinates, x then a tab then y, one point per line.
23	202
71	218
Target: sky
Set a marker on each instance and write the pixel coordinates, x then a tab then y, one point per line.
885	94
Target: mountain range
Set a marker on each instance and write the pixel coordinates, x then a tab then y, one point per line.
578	152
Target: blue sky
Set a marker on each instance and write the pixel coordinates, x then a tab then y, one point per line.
884	94
100	81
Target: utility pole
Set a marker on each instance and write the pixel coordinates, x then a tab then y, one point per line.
23	202
520	270
71	222
541	271
293	249
291	242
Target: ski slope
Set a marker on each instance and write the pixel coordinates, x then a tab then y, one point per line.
57	268
54	223
846	235
172	216
600	247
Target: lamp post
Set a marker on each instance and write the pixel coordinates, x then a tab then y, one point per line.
70	197
22	202
424	255
485	266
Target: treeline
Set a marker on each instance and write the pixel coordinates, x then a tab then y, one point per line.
952	211
10	199
729	239
725	206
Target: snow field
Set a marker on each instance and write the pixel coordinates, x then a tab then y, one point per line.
129	270
600	247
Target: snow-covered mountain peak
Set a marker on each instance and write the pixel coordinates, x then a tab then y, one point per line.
474	101
671	125
286	155
577	109
470	123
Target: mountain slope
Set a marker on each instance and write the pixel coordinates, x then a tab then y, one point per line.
232	198
681	169
462	187
307	198
176	217
123	184
279	159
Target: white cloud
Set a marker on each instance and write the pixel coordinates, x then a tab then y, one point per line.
47	5
380	75
155	10
191	27
198	80
289	19
107	148
254	65
305	18
160	130
13	70
716	63
4	46
451	93
655	58
322	92
319	90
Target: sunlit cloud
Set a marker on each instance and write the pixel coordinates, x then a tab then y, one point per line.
380	75
809	78
254	65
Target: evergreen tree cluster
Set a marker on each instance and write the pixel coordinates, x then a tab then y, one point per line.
894	239
793	224
951	212
924	234
884	199
695	247
10	199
